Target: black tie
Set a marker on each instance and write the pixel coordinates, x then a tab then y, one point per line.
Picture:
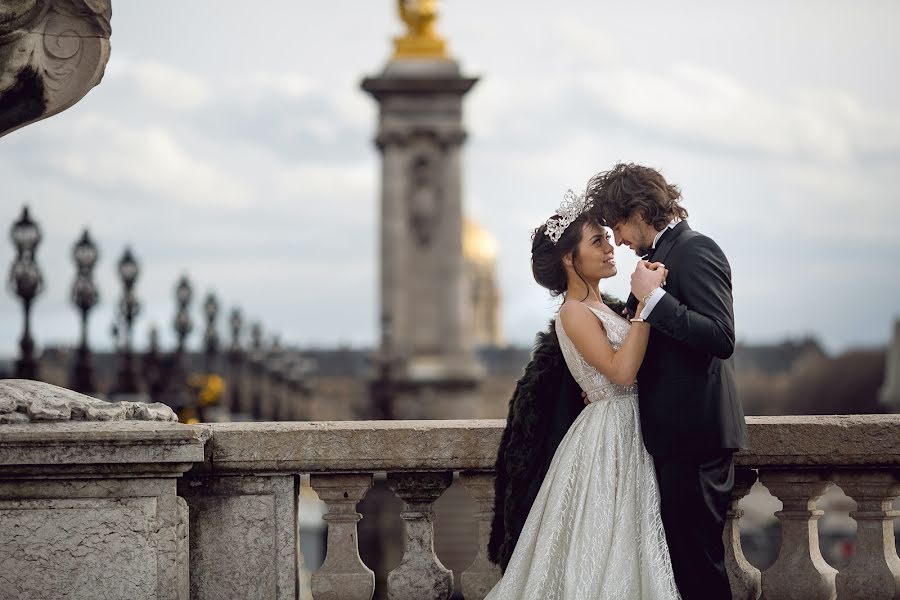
649	256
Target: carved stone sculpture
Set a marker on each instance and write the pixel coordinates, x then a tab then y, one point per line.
52	52
23	400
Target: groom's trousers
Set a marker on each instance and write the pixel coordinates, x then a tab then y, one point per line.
694	496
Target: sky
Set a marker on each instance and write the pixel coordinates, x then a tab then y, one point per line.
231	142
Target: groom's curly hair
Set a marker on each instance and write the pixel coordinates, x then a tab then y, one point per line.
627	189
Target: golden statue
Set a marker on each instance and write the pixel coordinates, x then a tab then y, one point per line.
422	39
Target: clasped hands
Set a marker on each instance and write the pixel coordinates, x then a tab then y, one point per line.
647	277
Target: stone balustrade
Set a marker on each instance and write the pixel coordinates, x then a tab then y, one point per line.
95	502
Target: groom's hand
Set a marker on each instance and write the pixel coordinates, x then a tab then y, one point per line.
647	277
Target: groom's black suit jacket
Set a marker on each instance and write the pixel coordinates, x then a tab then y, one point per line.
688	402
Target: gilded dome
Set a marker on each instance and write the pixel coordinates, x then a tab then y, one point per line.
479	246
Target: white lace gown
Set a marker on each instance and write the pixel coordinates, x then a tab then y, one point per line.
594	531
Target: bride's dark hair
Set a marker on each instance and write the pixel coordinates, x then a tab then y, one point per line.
547	257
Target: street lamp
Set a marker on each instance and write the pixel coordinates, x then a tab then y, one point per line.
235	362
276	363
174	390
257	362
84	297
183	325
26	282
152	366
211	310
129	307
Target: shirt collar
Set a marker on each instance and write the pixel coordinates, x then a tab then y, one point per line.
659	234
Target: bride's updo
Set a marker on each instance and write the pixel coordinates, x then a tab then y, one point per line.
547	257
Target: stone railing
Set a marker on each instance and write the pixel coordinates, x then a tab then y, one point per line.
89	510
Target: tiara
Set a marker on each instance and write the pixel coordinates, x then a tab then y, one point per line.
573	205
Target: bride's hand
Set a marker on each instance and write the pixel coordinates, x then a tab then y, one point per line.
654	266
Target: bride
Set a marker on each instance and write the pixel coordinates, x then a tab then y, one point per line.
594	529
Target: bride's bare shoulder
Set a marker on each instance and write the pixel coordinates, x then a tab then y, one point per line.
577	314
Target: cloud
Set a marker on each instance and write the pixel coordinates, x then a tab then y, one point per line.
260	83
165	85
150	159
691	105
684	105
327	182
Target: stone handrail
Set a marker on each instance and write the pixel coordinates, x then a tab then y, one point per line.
241	495
796	458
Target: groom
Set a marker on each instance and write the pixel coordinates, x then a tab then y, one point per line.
691	419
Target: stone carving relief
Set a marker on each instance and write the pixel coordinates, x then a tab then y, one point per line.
23	401
52	52
424	198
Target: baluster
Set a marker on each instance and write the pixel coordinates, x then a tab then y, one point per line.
482	575
420	576
799	572
744	577
874	571
343	575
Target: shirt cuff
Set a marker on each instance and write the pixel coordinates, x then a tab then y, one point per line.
654	298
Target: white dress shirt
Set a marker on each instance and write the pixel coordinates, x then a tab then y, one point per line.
658	293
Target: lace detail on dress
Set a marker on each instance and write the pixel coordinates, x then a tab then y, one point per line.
594	531
597	386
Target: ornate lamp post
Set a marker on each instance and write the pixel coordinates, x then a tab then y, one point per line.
84	297
211	310
26	282
129	307
152	366
275	369
257	361
175	391
183	324
235	362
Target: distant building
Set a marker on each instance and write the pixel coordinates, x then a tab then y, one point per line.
480	268
775	359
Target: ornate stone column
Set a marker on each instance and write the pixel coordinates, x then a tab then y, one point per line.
52	52
799	572
874	572
342	576
424	298
743	576
482	575
420	576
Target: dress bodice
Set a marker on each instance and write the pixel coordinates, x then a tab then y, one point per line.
594	383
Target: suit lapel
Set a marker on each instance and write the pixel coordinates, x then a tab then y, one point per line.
667	242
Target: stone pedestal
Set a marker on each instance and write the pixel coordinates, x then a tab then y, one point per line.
243	536
52	52
425	310
90	511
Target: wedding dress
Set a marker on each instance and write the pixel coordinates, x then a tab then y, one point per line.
594	531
